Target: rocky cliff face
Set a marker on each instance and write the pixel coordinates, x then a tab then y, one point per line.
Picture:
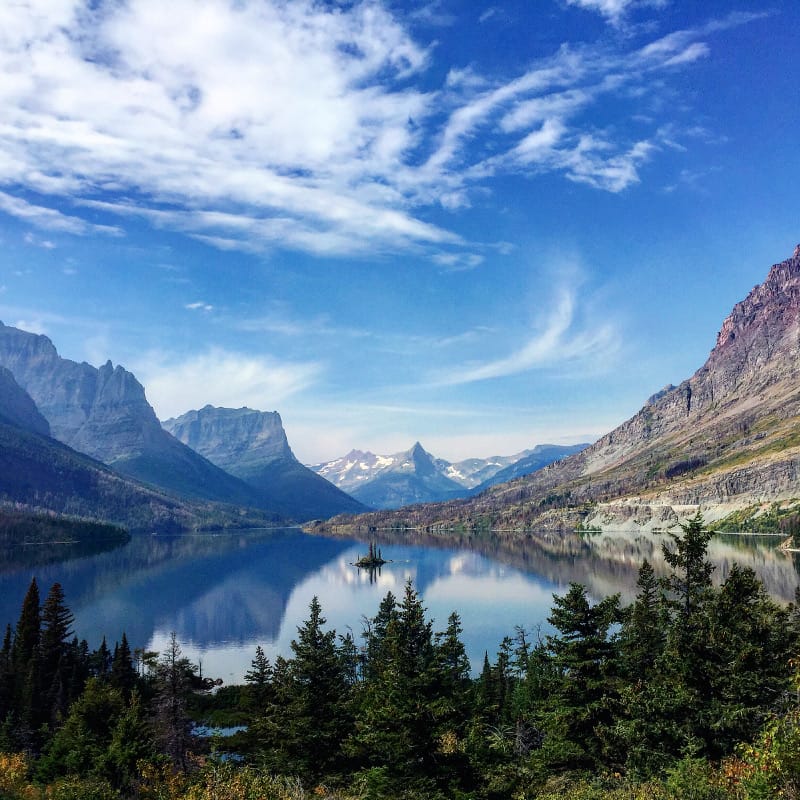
101	412
728	436
104	413
252	446
17	408
235	439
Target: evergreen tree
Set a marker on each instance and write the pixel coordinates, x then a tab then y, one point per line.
691	571
6	676
173	675
100	661
375	635
123	674
79	746
397	729
259	682
318	712
308	715
26	665
131	743
57	622
584	706
750	647
644	629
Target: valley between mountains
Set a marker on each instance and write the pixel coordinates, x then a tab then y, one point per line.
84	442
725	441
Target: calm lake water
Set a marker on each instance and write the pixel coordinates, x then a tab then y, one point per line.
223	594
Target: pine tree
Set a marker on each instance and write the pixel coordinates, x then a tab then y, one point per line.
173	683
57	622
319	716
644	628
584	706
691	571
6	676
100	660
26	664
259	682
397	727
123	673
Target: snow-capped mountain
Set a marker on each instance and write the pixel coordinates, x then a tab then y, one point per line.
415	476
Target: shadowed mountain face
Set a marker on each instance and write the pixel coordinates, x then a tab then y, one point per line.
17	408
540	456
252	445
104	413
40	473
727	437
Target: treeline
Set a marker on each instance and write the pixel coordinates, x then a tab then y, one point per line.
690	691
18	527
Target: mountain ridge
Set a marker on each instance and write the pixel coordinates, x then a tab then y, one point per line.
103	413
726	438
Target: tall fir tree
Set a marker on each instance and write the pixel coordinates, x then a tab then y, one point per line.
584	705
57	621
123	674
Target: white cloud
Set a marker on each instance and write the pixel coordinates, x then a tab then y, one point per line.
175	385
200	305
615	10
561	342
49	218
31	325
258	124
458	262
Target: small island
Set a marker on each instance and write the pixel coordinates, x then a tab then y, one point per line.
372	560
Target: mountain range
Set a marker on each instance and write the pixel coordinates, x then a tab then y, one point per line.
726	440
415	476
40	474
104	414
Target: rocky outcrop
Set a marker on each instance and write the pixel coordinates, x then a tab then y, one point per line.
252	446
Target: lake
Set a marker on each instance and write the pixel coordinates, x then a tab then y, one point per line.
223	594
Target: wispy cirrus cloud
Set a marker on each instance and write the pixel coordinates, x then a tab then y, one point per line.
253	125
560	341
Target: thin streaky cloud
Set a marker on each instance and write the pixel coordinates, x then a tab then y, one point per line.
557	344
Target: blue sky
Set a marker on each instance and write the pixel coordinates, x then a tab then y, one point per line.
478	225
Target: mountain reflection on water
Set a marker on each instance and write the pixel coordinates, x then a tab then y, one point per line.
225	593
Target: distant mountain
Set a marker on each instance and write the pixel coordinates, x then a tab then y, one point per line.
413	476
104	414
472	472
726	440
541	456
38	473
252	446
